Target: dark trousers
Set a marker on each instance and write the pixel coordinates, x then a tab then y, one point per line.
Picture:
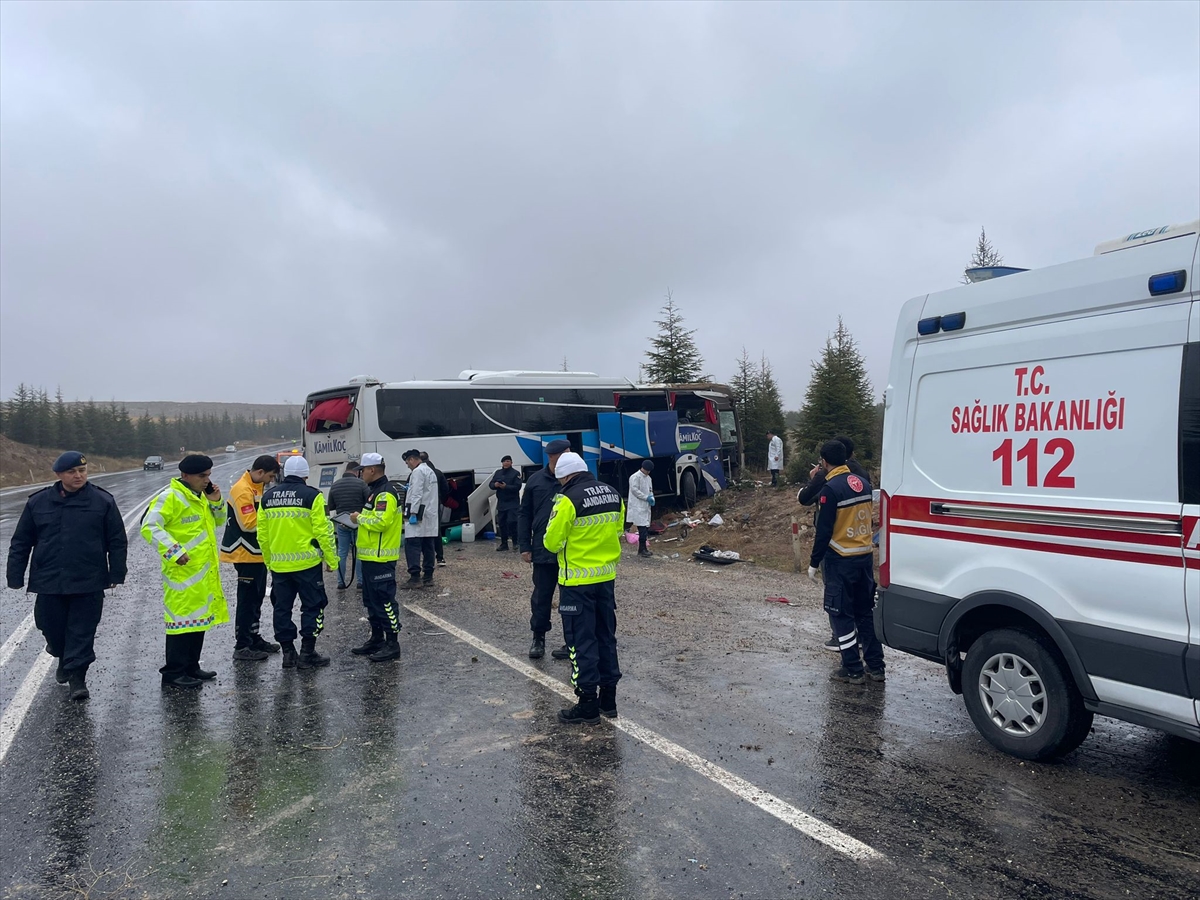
420	554
849	599
589	617
68	623
506	524
545	580
774	478
310	586
643	534
183	654
438	546
379	596
251	589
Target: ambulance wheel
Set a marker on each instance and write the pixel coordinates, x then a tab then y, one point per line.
687	489
1021	696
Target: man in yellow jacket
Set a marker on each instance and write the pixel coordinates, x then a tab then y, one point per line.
379	539
585	530
295	535
181	524
240	547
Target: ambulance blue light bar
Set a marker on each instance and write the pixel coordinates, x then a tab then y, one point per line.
1168	283
929	326
948	322
954	321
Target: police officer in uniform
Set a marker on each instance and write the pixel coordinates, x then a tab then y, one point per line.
181	523
536	504
842	550
295	535
585	530
240	547
74	532
379	540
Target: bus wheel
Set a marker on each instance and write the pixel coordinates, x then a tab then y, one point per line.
687	489
1021	696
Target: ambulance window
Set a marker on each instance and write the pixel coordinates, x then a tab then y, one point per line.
1189	425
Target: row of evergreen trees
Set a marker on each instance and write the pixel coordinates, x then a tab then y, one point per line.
31	417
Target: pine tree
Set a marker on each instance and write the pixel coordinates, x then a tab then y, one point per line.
839	400
674	357
758	406
985	255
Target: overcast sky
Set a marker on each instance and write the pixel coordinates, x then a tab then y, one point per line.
233	201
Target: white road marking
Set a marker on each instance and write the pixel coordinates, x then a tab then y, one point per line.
739	787
14	639
18	707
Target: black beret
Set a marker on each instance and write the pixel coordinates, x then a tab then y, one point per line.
557	446
69	460
195	464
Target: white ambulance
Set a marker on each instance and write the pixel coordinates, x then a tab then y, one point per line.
1041	493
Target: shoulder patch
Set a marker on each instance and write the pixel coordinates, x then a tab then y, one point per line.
822	500
247	509
855	483
381	503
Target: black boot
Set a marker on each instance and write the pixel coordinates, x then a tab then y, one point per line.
608	701
374	642
309	657
79	689
60	674
585	712
249	654
203	674
503	547
563	652
538	648
389	650
289	654
261	644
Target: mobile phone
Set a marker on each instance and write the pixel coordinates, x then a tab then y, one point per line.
210	488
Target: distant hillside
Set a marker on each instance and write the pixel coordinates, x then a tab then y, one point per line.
174	409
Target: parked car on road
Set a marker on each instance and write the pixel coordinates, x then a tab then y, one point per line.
152	462
231	449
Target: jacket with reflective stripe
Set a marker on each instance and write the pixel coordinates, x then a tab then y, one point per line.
843	517
585	530
293	530
380	525
240	541
179	521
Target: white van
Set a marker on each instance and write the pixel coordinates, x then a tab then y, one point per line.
1040	493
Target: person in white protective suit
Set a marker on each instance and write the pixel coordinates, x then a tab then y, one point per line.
420	522
641	498
774	456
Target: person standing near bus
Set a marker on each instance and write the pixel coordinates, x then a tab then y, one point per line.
348	495
420	522
506	482
443	495
240	547
74	532
380	534
641	498
536	504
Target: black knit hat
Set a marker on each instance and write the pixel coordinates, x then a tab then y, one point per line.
195	464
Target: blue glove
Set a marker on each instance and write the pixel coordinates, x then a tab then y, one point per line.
650	499
412	520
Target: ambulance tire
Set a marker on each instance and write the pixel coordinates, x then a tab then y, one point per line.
687	489
1065	721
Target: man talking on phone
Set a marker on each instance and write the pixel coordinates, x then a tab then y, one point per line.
181	524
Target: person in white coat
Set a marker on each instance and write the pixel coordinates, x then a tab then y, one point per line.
641	498
420	522
774	456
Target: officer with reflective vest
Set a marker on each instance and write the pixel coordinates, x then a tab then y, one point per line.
378	542
295	535
842	550
181	524
585	531
239	546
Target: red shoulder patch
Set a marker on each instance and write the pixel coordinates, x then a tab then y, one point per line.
822	499
247	509
381	504
855	483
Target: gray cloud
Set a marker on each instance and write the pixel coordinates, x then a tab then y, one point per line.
198	196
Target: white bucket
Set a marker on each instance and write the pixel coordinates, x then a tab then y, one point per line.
468	533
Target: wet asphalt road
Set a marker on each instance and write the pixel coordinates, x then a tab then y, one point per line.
446	775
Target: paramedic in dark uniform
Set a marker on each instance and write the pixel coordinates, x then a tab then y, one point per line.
74	532
842	550
536	504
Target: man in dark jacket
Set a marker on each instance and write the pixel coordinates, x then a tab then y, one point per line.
536	505
77	539
506	482
347	495
443	496
810	492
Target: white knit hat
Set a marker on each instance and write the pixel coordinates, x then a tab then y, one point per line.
568	464
296	465
370	459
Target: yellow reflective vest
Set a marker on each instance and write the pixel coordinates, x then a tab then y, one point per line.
294	533
179	521
380	525
585	530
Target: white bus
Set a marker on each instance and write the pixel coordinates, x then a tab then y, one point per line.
468	424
